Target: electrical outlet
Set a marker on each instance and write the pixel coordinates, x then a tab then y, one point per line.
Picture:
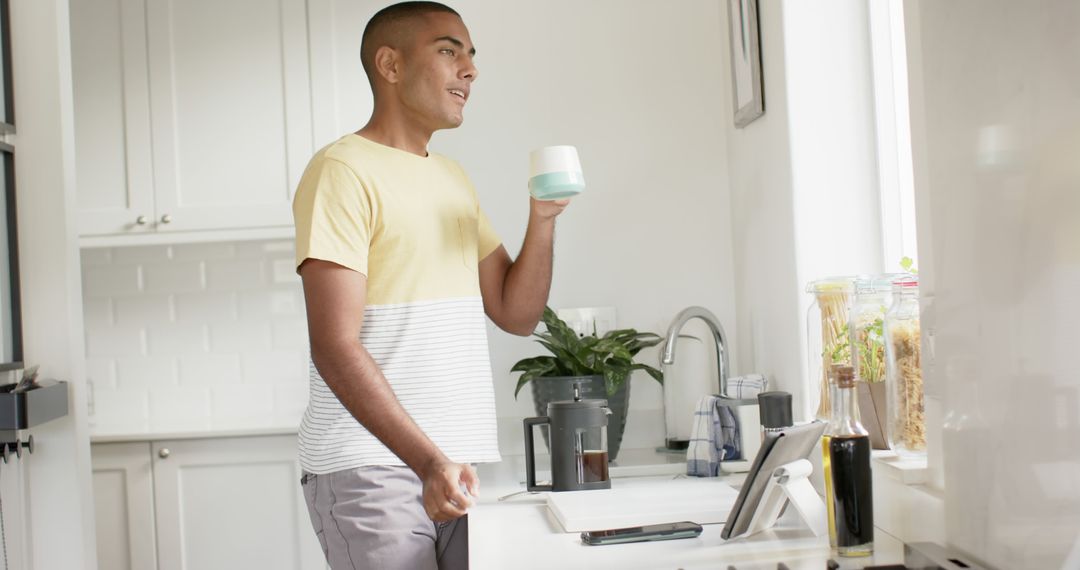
582	320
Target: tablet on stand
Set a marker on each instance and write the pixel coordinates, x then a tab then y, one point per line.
778	475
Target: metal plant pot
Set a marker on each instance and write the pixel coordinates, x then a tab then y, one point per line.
556	388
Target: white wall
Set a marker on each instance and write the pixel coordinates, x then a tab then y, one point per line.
763	224
60	503
996	116
640	90
803	179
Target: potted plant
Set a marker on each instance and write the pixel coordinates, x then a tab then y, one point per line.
601	365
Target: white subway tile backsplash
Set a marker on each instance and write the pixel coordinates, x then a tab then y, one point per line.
288	302
179	404
275	367
265	249
204	251
201	369
144	309
111	280
113	341
236	274
291	399
272	303
120	406
141	254
206	306
240	401
145	372
291	335
96	256
101	373
174	277
176	338
194	332
283	271
98	313
247	336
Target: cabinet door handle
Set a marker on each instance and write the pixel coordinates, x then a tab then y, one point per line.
164	453
141	221
166	219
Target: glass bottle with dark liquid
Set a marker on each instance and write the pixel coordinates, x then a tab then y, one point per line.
831	415
849	463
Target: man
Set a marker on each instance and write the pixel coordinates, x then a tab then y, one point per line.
399	265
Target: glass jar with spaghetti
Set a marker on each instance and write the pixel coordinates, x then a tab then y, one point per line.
907	422
827	337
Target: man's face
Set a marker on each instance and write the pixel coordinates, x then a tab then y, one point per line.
438	71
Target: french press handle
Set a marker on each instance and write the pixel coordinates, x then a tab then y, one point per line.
530	454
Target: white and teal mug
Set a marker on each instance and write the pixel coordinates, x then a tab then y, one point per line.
555	173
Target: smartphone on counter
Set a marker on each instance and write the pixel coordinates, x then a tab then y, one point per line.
666	531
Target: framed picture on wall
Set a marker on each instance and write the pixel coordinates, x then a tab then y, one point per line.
747	91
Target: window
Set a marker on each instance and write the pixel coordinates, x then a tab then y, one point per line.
10	316
895	173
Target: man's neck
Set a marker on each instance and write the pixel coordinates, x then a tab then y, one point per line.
399	134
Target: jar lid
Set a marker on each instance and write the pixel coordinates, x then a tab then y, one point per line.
906	281
836	284
775	409
882	283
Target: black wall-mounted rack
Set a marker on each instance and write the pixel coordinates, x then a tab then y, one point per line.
44	402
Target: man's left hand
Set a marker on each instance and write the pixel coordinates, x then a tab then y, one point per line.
546	209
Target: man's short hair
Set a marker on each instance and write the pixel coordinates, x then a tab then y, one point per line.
385	20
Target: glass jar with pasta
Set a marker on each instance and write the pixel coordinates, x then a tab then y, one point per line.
907	422
827	337
873	296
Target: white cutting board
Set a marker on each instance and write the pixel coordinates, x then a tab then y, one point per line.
636	503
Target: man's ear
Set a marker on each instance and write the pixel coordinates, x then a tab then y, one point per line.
388	64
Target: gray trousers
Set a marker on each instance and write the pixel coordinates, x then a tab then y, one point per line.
372	518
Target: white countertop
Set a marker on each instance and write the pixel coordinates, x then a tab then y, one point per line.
104	432
520	532
523	534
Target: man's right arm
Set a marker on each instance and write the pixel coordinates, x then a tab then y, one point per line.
335	298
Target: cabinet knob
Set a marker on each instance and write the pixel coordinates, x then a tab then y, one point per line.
141	221
166	219
164	453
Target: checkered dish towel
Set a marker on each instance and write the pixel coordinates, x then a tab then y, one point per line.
746	386
715	436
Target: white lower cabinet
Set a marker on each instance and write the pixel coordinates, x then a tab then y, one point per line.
202	503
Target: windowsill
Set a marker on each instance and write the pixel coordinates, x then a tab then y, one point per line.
905	470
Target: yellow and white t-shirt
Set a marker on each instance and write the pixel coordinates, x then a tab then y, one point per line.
414	227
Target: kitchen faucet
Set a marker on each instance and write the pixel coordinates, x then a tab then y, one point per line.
710	319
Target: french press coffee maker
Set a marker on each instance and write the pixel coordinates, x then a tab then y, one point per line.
579	452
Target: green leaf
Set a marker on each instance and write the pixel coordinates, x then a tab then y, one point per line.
614	376
532	374
560	331
656	374
535	363
522	381
908	264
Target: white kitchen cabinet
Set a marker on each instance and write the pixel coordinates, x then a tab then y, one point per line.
203	503
124	506
191	116
113	164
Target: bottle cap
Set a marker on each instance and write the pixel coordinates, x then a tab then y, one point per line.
775	409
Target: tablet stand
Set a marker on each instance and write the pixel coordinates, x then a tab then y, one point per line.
790	482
